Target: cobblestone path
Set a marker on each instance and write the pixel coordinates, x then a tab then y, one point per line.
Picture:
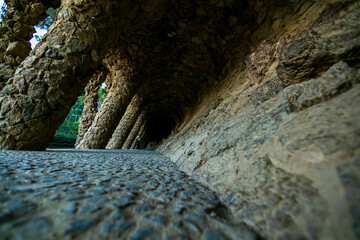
106	195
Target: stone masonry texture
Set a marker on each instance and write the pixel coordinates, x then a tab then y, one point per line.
121	194
257	100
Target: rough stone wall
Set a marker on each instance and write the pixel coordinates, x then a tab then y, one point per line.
279	141
33	104
16	31
91	99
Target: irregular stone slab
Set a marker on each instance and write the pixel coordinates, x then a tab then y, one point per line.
117	215
143	233
69	209
97	200
141	209
14	206
79	225
115	227
89	209
35	229
314	51
157	219
213	236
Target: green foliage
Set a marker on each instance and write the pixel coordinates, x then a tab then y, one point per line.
102	95
3	10
70	125
46	23
62	140
38	38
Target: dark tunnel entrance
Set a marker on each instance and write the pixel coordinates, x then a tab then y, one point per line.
160	127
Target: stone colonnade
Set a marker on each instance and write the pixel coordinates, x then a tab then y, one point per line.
41	91
114	107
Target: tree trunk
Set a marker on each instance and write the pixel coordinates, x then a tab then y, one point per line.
47	82
113	108
134	131
126	124
91	99
16	30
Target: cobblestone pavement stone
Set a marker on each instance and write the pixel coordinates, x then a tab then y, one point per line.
107	195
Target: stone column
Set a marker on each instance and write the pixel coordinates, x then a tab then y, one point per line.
48	81
115	104
16	31
126	124
91	99
141	133
134	131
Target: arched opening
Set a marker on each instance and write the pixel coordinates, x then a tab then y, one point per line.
42	27
160	126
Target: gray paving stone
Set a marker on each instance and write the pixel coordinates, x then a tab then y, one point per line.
97	200
117	215
33	186
21	222
214	236
15	206
126	195
35	229
87	209
120	203
96	191
73	190
144	208
143	233
177	209
12	191
77	198
112	189
191	226
154	218
115	227
54	197
79	225
69	209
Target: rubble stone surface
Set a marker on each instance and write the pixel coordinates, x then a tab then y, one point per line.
124	194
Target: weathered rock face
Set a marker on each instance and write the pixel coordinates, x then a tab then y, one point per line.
280	143
257	99
16	31
90	104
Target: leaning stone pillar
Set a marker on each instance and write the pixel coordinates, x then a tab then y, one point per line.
114	106
141	132
126	123
90	109
48	81
16	31
134	131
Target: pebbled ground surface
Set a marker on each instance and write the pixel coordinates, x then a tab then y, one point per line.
123	194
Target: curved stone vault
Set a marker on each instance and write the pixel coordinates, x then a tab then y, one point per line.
256	99
164	54
161	57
